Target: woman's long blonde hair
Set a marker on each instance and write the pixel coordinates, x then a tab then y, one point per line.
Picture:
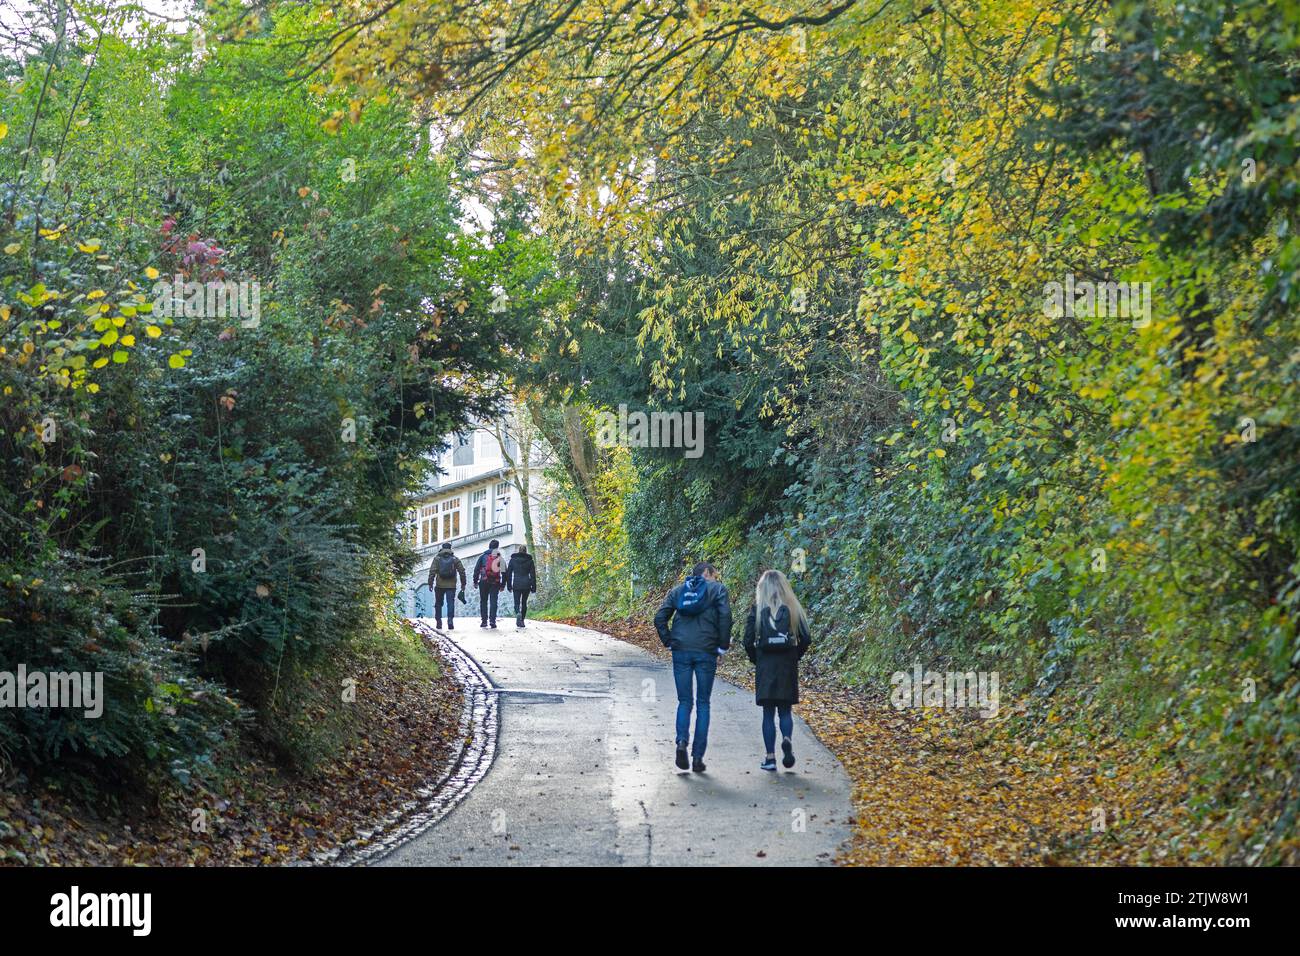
774	590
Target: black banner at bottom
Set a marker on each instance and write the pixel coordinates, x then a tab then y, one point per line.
301	905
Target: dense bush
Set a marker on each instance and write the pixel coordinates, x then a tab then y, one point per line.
214	502
68	604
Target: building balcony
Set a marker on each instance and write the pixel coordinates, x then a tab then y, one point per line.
496	531
461	473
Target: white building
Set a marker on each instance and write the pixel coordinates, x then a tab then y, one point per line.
474	498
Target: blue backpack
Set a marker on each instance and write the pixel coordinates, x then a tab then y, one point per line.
693	598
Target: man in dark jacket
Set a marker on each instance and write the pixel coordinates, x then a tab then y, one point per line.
489	578
443	571
700	611
521	581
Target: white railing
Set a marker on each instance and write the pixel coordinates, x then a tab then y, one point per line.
459	473
496	531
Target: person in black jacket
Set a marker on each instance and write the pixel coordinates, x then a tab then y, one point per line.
700	611
776	636
521	581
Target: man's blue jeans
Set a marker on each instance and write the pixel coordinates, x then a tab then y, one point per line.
700	667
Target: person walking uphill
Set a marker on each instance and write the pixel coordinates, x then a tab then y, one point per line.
489	578
776	636
521	581
700	611
443	571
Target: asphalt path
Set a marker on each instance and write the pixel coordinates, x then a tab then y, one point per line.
583	771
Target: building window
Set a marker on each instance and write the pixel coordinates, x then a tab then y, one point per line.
428	524
478	512
464	452
412	530
502	502
451	518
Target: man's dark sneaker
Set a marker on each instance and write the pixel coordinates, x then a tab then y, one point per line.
697	765
438	625
682	762
787	748
483	624
769	763
451	626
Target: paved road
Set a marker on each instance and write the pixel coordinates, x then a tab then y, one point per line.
584	769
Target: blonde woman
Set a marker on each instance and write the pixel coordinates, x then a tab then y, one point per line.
776	636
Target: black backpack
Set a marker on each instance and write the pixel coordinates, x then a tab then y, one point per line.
446	564
775	636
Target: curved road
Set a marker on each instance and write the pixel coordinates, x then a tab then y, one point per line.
584	771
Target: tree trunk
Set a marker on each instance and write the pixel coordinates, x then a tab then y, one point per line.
580	461
520	464
522	483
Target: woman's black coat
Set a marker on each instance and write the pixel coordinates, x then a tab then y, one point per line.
776	673
521	573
